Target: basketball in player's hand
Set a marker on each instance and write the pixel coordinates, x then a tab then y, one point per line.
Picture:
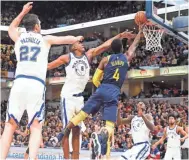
140	18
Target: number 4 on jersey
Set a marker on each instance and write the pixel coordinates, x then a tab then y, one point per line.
116	74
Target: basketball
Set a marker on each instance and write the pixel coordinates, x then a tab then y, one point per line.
140	17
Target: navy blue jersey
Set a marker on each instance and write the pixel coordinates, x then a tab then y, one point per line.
116	70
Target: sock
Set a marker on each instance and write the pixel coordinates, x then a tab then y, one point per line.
79	117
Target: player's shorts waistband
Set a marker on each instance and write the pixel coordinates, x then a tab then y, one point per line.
136	144
30	77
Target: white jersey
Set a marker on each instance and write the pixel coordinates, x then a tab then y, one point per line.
32	55
77	75
173	138
139	130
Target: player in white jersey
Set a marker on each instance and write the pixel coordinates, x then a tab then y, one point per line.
172	134
31	50
77	76
141	125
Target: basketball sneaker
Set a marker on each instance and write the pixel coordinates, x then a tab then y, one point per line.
96	145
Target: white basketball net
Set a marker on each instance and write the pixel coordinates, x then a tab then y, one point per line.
153	38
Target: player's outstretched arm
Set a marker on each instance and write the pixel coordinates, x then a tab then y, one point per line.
161	140
134	45
147	118
12	31
64	59
106	45
121	121
62	39
181	131
148	121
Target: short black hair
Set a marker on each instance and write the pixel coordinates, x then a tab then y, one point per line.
116	46
29	21
172	115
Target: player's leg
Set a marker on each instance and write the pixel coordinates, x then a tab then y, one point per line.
76	131
15	110
137	152
6	137
110	96
26	154
91	107
36	116
168	154
177	153
70	143
75	142
67	112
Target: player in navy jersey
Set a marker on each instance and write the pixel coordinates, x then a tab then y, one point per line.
114	68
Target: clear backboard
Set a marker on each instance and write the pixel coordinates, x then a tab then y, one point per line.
171	15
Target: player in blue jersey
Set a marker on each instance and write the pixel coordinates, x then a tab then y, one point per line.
114	68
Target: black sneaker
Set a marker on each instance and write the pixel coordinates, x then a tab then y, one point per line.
96	144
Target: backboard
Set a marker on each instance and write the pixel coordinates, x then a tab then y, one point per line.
171	15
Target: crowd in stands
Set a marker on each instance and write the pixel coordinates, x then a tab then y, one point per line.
122	137
175	53
63	13
156	91
8	58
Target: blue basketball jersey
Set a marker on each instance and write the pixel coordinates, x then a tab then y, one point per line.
116	70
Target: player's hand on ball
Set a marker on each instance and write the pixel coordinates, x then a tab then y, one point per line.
27	7
80	38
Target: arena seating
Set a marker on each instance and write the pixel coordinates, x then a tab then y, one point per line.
59	14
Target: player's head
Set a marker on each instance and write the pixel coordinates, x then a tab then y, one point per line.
117	46
77	46
141	105
171	118
32	23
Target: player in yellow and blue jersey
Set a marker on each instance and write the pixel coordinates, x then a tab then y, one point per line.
113	69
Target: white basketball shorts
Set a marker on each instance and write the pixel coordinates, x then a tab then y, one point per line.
27	93
173	153
139	151
70	106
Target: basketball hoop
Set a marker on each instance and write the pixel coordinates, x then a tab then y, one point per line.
153	36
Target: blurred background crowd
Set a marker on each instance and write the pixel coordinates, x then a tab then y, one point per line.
174	54
79	12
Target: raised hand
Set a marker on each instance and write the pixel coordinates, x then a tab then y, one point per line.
141	108
80	38
27	7
120	105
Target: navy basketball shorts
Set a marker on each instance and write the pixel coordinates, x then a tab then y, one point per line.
106	98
